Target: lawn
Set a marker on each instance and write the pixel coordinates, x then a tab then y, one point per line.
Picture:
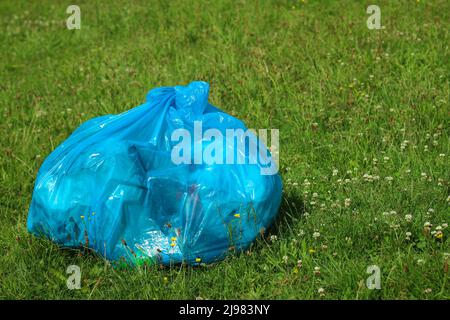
364	137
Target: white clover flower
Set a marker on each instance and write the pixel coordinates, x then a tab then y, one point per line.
321	291
389	178
404	144
316	235
408	217
299	263
273	238
335	172
369	178
347	202
285	259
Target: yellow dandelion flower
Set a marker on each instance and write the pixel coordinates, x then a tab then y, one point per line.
198	260
311	251
172	244
237	215
165	279
173	239
82	217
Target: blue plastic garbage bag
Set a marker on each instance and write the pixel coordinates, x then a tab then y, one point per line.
124	187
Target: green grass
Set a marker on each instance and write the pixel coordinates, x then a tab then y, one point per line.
344	98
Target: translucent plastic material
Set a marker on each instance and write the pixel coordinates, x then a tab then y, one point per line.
112	186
